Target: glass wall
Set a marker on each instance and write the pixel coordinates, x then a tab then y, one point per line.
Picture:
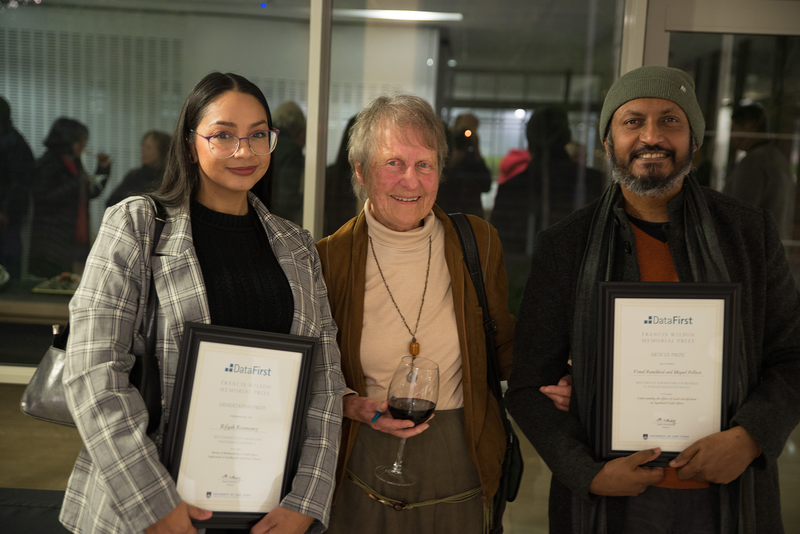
525	79
489	67
495	69
749	90
122	71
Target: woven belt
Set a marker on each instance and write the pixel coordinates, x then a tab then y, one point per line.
400	505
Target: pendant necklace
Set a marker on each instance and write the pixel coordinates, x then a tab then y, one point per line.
413	347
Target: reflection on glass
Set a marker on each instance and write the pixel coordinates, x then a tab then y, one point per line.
749	90
122	74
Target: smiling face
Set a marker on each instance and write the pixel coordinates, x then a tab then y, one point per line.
649	146
402	180
224	182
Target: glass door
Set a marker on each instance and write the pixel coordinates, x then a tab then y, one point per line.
745	60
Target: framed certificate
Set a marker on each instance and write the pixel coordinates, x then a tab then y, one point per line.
234	436
666	370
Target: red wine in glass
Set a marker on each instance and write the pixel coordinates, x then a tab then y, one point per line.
413	393
414	410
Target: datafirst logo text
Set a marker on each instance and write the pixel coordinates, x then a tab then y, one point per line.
244	370
675	319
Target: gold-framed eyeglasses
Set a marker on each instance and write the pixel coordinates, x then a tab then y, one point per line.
225	145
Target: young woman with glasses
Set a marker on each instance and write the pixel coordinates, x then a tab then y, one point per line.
222	259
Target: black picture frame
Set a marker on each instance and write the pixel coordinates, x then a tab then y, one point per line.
195	334
609	293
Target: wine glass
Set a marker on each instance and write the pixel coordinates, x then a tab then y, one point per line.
413	393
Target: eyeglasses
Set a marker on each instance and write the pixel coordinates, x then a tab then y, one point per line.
225	145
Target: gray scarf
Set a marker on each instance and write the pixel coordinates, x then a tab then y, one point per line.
707	265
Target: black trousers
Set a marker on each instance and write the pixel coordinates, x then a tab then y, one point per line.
672	511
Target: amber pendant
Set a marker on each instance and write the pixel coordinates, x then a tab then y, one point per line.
413	348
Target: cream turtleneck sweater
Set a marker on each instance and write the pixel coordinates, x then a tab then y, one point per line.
403	257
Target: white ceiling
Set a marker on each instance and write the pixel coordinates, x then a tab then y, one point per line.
511	35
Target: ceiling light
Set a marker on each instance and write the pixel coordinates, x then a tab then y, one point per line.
397	14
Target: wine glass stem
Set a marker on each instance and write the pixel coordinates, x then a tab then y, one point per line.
397	467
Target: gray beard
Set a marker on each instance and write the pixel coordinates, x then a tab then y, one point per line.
648	185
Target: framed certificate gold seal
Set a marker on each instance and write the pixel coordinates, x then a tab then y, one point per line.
666	365
235	430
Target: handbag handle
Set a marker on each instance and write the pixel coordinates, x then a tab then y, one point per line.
145	370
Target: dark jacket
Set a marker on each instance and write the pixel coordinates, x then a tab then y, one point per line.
56	199
288	163
16	177
16	173
519	207
144	179
463	183
344	264
770	308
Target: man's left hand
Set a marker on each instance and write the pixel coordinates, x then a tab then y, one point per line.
282	521
719	458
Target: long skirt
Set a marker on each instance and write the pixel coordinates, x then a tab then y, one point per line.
439	459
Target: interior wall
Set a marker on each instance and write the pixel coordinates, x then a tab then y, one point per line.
123	73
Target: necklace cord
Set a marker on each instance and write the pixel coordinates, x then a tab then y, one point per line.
424	291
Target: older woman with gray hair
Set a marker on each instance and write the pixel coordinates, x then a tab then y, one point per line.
395	273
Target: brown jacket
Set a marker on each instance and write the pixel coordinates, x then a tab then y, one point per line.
344	260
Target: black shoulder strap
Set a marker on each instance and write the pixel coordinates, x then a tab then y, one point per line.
161	219
152	301
149	369
471	257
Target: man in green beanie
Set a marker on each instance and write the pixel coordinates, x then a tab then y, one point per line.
656	224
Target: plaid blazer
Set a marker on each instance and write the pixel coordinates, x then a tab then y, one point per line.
118	484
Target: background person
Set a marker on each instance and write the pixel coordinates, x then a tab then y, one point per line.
222	259
546	191
148	177
289	163
764	176
466	175
16	176
403	249
340	203
60	238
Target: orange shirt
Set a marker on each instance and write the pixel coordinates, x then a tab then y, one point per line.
655	265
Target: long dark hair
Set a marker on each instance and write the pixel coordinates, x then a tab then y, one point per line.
181	178
64	133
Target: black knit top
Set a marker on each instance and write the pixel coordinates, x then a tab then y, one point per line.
245	284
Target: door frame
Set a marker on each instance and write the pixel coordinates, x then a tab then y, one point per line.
647	24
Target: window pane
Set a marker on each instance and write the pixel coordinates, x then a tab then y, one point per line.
749	91
121	72
503	64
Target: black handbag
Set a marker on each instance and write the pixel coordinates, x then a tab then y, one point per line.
513	465
44	397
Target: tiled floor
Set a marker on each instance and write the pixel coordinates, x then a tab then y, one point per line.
33	454
40	455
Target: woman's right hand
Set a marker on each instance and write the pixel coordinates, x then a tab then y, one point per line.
363	409
179	520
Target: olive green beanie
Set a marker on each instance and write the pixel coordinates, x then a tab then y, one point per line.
655	82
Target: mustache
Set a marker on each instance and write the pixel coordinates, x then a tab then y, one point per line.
651	148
